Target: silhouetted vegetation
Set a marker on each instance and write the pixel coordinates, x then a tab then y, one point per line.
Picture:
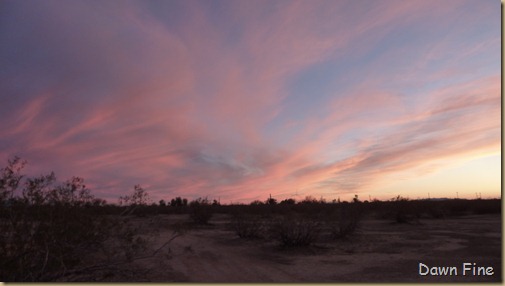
271	201
248	226
345	220
288	201
294	230
58	231
53	231
179	202
200	211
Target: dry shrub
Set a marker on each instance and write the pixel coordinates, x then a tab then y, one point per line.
43	243
296	231
248	226
405	211
200	211
436	212
344	221
52	232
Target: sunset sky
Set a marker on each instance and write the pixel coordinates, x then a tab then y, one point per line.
237	100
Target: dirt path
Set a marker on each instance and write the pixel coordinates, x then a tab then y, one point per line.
379	252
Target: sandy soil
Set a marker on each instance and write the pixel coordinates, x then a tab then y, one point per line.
380	251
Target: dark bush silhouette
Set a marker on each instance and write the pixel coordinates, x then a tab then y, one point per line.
51	231
345	220
256	203
271	201
405	211
179	202
200	211
288	202
309	200
136	203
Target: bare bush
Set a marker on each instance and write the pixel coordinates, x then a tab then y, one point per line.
136	202
406	211
296	231
200	211
52	232
10	179
345	220
48	230
248	226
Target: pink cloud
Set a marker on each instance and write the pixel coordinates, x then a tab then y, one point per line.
183	108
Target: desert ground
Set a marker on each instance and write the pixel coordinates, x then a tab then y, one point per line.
378	251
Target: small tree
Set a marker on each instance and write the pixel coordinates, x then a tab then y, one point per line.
179	202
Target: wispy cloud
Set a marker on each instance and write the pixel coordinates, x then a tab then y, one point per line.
238	99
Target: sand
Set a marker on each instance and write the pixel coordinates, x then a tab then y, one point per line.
380	251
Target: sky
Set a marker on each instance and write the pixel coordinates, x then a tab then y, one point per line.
240	100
